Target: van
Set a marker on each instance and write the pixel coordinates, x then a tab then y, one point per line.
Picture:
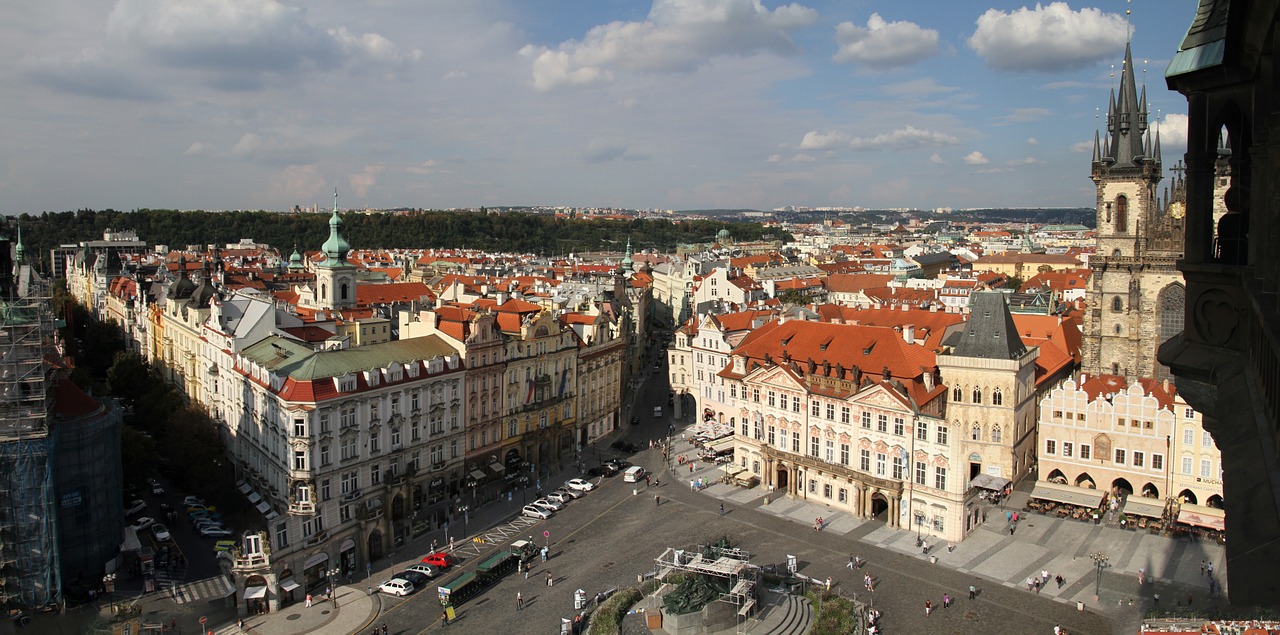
657	411
633	474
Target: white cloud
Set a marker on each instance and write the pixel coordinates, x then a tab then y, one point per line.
195	149
820	140
1048	38
424	168
799	157
272	150
1025	115
975	158
1173	130
1082	146
1032	141
903	138
678	36
365	179
937	158
1023	161
883	45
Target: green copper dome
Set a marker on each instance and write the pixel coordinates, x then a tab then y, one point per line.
335	249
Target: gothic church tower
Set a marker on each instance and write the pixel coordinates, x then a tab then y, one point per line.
1136	294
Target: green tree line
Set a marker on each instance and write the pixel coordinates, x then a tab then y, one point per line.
511	232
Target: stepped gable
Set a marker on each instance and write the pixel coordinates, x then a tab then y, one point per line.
990	332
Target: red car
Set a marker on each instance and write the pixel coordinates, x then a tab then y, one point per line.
440	560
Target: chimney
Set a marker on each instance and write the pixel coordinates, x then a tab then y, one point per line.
502	298
909	334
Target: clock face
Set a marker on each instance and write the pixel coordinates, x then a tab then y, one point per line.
1177	209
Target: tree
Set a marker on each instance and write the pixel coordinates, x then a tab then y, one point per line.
128	377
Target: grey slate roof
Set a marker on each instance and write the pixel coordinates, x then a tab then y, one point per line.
989	333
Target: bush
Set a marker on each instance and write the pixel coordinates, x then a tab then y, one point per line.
606	619
833	614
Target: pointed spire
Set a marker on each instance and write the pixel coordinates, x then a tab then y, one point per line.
1156	151
17	250
1097	158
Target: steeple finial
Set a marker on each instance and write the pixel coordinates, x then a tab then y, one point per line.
17	249
335	200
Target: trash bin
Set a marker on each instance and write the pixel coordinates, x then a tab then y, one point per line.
1079	606
579	599
933	559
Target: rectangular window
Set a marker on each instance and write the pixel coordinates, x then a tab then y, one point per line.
325	494
831	451
1189	413
744	428
844	453
899	464
395	437
844	414
755	395
299	459
773	399
282	535
844	495
942	434
813	446
1084	452
795	404
899	426
375	443
324	422
882	423
299	427
815	409
864	460
771	432
1206	441
922	431
1138	458
325	457
1157	462
831	412
1120	423
1068	448
880	464
795	442
344	513
813	486
826	490
921	472
1205	468
866	420
1186	465
375	475
940	477
1120	457
1188	436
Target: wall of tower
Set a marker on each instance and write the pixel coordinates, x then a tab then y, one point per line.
1124	341
1140	199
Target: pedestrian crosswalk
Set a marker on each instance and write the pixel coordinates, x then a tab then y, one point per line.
207	589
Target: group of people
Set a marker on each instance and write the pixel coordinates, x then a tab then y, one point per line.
1035	583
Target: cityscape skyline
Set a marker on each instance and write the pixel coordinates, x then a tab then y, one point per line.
681	104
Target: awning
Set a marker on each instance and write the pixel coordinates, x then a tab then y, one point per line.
497	467
315	559
255	592
131	542
732	469
244	487
254	497
987	481
477	475
263	507
1068	494
1201	516
288	584
721	445
1142	506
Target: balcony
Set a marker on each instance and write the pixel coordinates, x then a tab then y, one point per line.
350	496
302	508
300	475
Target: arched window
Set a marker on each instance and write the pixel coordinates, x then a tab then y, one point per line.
1117	304
344	291
957	395
1122	214
324	292
977	395
976	433
995	434
997	398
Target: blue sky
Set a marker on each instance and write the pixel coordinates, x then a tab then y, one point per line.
670	104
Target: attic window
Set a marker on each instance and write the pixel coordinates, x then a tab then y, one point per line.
867	350
784	342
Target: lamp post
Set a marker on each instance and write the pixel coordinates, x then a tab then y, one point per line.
332	575
1100	561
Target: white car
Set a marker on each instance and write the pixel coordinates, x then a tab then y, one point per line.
142	523
397	586
136	507
533	511
559	497
192	499
571	493
215	531
548	504
161	532
581	485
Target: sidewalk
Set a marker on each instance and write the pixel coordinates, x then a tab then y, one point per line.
1061	546
356	610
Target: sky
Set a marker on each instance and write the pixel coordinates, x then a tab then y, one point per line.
664	104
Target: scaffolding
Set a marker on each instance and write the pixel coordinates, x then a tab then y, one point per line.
731	564
29	569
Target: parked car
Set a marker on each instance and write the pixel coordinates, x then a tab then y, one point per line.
552	505
142	523
161	532
571	493
532	511
217	531
396	586
136	507
440	560
192	500
625	446
223	545
581	485
559	497
424	569
157	489
200	508
417	579
618	464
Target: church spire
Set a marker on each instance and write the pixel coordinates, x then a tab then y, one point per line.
336	248
1125	128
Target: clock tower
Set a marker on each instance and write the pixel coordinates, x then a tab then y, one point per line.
335	277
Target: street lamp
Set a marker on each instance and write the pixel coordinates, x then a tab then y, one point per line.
1100	560
333	574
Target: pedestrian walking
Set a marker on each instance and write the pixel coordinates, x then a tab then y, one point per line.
928	607
550	580
444	616
866	581
1142	575
973	592
721	509
925	547
1209	569
1156	598
1057	630
240	623
308	601
1029	583
1044	575
544	554
1008	517
655	501
946	601
1037	585
692	485
1060	580
384	628
1011	528
1202	564
519	601
851	562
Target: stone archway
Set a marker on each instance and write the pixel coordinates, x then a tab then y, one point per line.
880	506
1122	485
375	545
397	507
1187	496
1149	490
783	478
